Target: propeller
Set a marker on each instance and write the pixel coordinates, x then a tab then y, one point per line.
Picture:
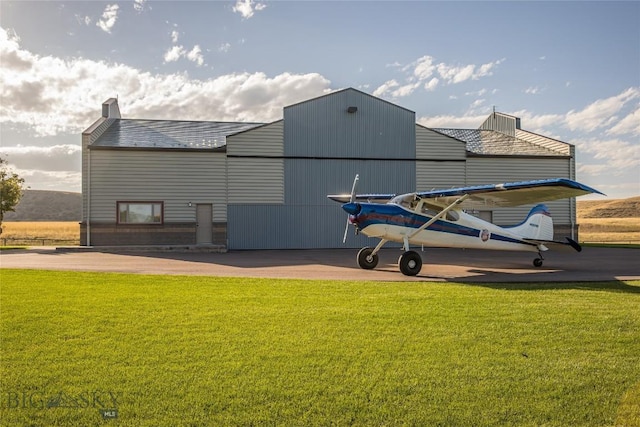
351	200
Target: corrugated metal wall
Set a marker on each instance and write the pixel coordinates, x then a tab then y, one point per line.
89	136
309	219
488	170
322	127
267	140
324	148
173	177
502	123
440	160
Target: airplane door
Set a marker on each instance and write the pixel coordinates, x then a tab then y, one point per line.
204	224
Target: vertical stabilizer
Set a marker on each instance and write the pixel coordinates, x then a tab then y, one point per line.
537	226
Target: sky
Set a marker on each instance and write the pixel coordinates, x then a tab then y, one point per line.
570	70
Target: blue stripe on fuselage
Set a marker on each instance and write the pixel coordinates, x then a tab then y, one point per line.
391	214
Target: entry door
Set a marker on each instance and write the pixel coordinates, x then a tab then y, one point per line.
204	226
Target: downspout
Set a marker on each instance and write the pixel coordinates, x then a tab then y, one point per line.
572	202
88	196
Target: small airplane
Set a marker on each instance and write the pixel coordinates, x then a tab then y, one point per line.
437	219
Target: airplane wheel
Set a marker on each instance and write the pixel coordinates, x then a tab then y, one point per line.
537	262
410	263
367	261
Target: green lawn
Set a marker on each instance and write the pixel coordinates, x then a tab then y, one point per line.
200	351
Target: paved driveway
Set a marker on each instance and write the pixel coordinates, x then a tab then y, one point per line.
475	266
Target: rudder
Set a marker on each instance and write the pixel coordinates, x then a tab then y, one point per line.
537	226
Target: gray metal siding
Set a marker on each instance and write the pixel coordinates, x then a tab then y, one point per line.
267	140
501	123
498	170
255	180
437	175
323	128
432	145
89	136
175	178
309	219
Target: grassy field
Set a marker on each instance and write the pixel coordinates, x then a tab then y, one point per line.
620	230
38	233
199	351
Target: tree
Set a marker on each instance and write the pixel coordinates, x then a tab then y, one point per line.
11	188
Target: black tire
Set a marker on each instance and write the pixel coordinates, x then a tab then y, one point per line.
537	262
410	263
367	261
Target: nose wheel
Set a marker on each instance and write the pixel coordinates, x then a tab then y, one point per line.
367	260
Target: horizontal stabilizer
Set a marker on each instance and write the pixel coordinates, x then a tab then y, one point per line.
557	245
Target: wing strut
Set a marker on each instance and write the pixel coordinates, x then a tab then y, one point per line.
440	214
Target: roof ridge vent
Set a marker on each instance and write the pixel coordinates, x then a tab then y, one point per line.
110	109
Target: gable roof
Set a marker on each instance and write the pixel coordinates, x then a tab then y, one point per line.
169	134
492	143
346	91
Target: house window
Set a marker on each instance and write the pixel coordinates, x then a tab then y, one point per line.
140	212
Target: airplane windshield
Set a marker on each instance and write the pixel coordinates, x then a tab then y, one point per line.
407	201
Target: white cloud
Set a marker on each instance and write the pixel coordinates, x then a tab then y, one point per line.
140	5
619	155
385	88
630	125
476	93
424	68
54	96
430	74
109	17
60	157
174	36
601	112
38	179
83	20
532	90
195	55
174	53
431	84
224	47
247	8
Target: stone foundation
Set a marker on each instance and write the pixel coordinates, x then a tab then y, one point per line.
109	234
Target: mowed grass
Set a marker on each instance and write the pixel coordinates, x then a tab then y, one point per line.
200	351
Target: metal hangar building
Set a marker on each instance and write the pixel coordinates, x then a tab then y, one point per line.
264	185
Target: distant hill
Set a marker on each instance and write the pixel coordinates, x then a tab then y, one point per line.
39	205
618	208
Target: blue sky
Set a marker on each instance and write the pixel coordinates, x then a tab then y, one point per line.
569	70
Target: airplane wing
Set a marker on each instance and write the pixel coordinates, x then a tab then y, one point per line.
510	194
374	198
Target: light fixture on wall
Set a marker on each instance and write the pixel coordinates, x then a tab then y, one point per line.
189	204
352	110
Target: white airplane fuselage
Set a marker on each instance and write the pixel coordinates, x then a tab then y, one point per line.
457	229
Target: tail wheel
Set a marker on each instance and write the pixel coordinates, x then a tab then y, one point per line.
537	262
410	263
366	259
